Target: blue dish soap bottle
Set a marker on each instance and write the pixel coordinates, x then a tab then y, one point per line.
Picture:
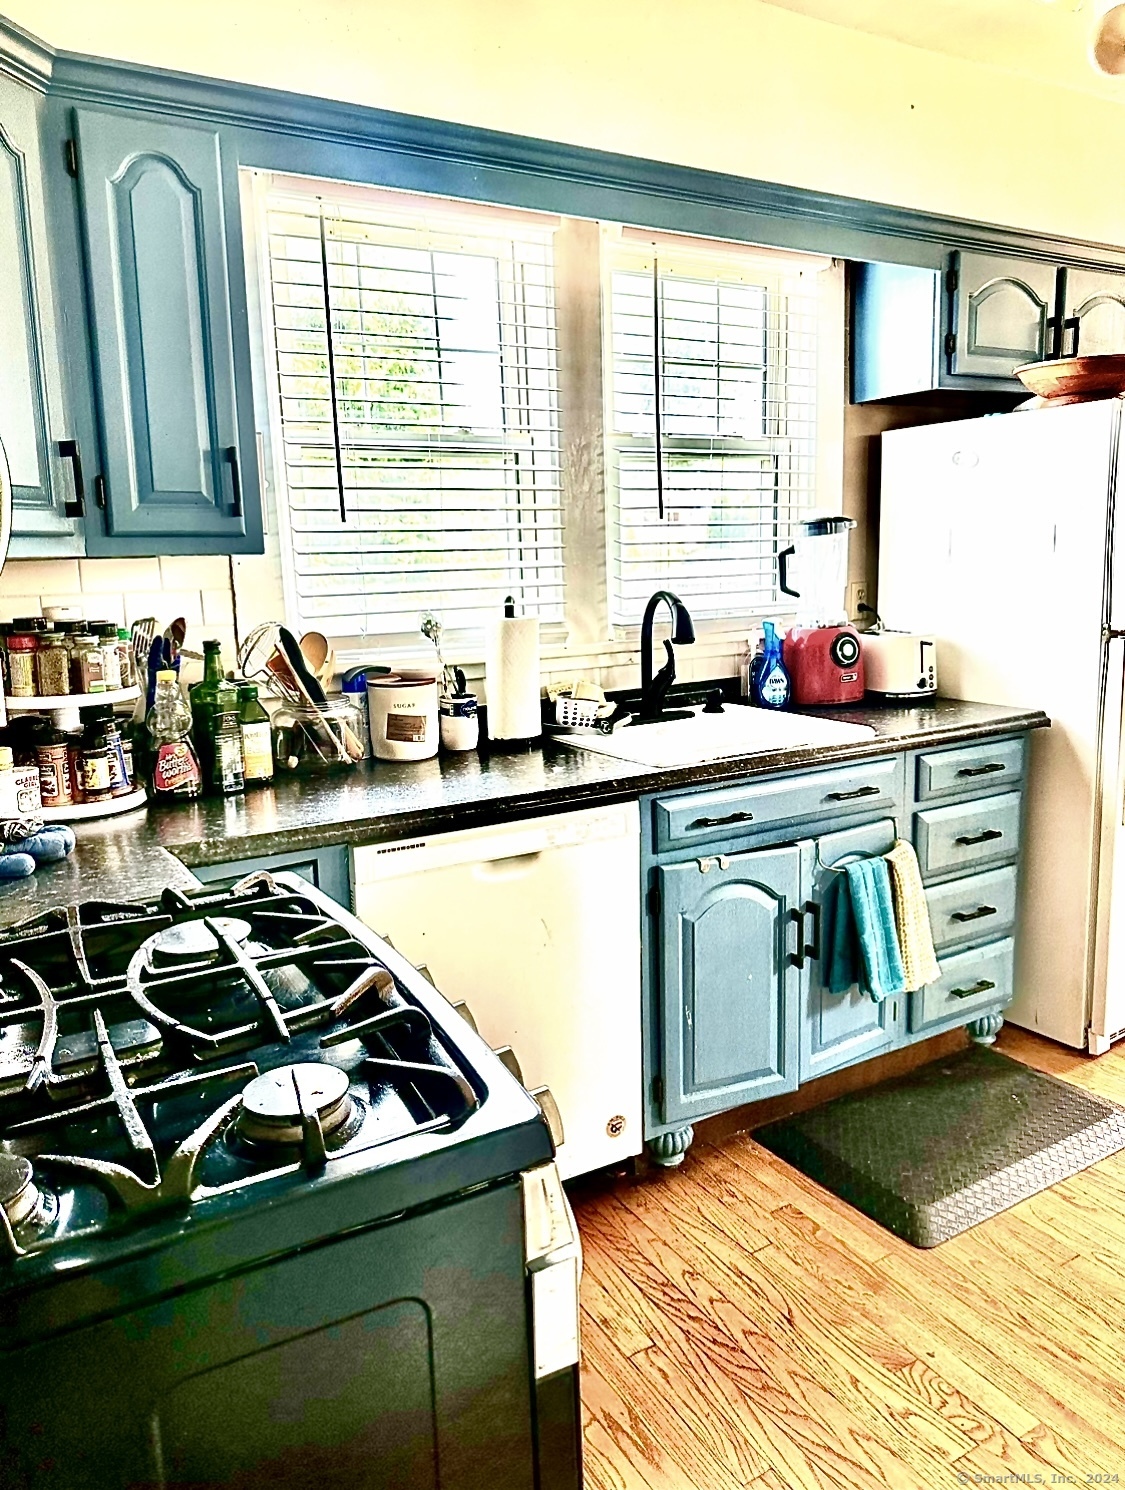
771	685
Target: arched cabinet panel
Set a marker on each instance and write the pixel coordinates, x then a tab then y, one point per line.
32	406
154	215
1003	314
730	985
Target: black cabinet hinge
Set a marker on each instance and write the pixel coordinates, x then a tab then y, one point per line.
951	281
71	149
99	491
950	343
654	901
658	1091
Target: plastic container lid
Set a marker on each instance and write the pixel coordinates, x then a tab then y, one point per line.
23	642
165	673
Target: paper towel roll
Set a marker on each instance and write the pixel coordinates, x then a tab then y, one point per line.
511	678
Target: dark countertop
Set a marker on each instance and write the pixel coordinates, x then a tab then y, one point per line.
135	856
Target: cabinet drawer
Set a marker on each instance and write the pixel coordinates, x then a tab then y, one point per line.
995	763
968	833
970	982
743	809
965	910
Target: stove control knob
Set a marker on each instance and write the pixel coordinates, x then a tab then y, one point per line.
507	1057
844	650
550	1110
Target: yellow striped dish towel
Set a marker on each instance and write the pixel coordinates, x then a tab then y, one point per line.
912	917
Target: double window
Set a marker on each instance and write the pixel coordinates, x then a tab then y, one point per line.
425	454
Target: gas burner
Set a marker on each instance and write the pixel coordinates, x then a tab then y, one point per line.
26	1212
281	1105
18	1193
195	941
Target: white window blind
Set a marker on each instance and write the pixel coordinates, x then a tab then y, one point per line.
417	392
714	356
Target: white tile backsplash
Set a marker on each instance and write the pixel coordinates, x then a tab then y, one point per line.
118	575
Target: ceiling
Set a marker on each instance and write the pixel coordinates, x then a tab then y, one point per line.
1041	39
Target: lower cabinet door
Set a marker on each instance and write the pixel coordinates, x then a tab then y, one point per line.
730	986
838	1029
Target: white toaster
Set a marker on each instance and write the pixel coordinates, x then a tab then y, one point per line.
899	664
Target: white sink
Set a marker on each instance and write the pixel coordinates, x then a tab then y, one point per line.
738	730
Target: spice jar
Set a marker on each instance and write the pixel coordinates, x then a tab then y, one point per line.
94	763
106	633
86	664
25	775
55	786
100	725
52	665
74	756
22	647
125	657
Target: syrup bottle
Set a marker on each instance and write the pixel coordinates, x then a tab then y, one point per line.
175	767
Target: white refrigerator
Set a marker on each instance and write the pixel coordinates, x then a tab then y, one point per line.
997	535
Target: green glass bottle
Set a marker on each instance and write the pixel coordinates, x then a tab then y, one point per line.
212	696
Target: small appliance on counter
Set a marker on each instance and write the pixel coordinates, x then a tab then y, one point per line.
822	651
900	664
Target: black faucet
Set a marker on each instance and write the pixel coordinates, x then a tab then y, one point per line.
654	690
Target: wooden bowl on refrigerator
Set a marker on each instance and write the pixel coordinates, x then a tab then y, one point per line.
1075	378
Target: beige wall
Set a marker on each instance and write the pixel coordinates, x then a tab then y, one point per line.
732	85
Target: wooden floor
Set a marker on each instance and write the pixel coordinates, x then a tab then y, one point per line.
743	1327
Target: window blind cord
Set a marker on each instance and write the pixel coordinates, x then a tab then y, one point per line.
331	363
656	351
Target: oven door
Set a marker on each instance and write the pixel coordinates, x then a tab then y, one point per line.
397	1359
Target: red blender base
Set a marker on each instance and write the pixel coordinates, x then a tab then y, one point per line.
825	664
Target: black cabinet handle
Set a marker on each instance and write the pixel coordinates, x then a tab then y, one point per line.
806	949
977	915
722	822
230	454
860	791
812	948
69	450
982	770
985	837
982	985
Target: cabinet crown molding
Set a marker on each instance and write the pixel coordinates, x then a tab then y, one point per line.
24	57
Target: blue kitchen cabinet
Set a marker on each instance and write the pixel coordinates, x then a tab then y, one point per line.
164	290
731	955
1093	323
968	326
44	459
838	1029
736	1004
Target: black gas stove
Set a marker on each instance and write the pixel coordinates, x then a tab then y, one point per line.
259	1188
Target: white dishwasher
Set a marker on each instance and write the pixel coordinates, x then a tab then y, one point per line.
535	927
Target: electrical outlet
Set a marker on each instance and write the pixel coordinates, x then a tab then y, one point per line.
857	596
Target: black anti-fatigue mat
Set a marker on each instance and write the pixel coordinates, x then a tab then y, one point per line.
932	1153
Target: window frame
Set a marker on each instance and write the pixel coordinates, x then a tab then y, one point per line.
587	637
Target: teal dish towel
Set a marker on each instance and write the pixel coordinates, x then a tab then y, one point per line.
873	912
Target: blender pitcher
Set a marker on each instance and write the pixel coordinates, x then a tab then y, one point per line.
822	652
821	560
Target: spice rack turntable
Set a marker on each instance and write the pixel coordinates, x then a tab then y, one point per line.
63	708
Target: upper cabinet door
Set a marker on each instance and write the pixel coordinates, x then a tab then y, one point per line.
1093	313
154	213
45	498
729	986
1002	314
